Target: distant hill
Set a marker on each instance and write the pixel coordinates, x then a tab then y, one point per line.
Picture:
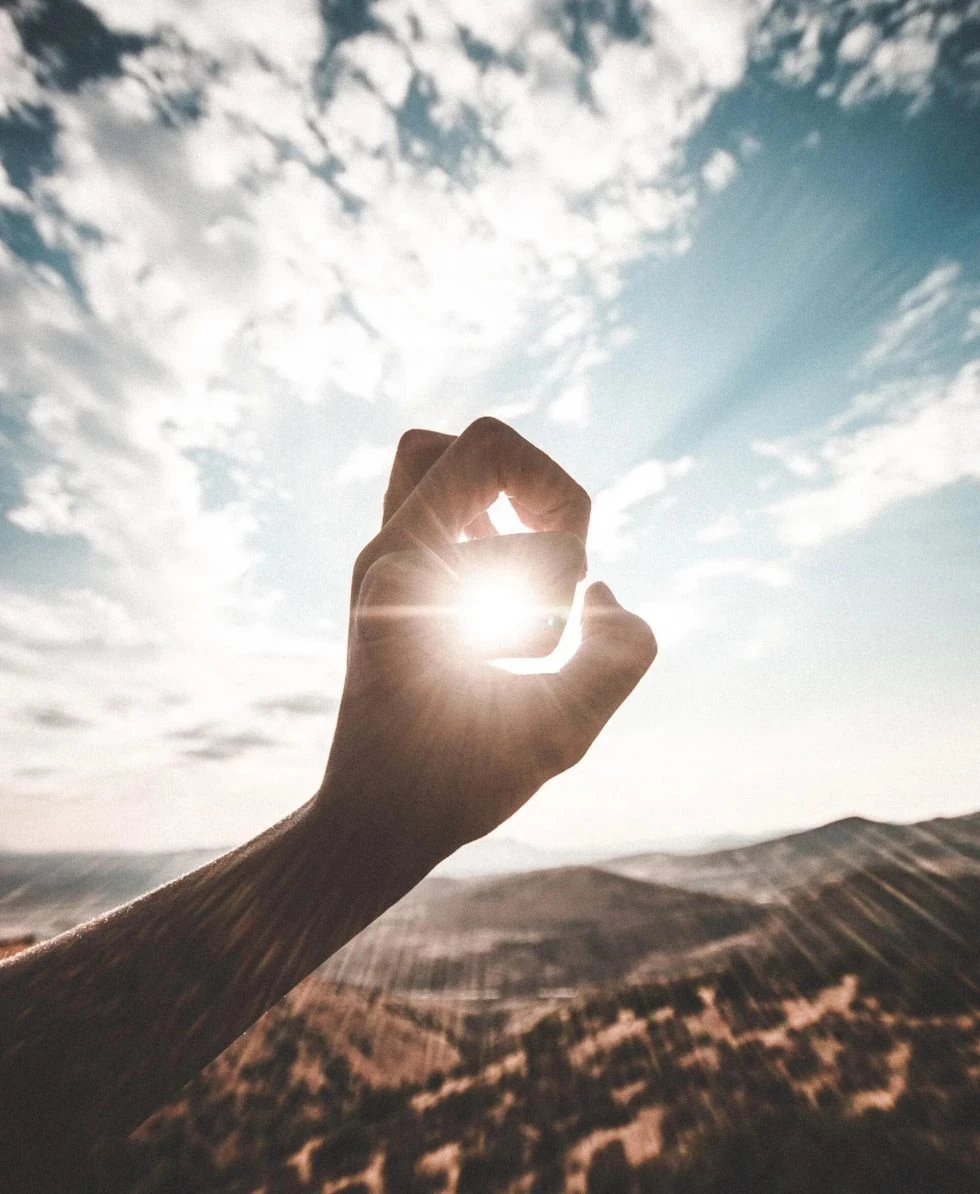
46	894
496	855
580	896
546	933
769	871
525	934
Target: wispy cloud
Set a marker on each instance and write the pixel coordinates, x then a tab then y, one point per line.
54	718
726	527
298	704
769	572
366	463
917	311
673	620
210	743
572	406
375	220
614	507
914	447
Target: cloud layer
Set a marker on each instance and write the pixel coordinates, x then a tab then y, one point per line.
218	218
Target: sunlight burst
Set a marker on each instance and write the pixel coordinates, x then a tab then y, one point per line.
496	613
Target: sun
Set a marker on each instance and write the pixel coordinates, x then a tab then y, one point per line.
510	598
496	613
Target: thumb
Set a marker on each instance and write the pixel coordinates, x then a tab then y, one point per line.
617	649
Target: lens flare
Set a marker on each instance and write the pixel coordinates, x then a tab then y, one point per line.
495	612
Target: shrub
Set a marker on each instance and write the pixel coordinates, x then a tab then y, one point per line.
610	1171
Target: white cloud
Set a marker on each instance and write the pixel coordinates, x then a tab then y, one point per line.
972	325
290	36
767	635
719	170
713	33
917	446
385	64
611	509
10	196
18	85
572	406
509	411
865	54
768	572
858	42
672	621
726	527
794	459
902	64
366	463
263	273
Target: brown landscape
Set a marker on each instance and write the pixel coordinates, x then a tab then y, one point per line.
796	1015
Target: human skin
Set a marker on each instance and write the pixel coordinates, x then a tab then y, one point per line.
432	749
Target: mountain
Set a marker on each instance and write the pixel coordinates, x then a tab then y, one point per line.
506	856
496	855
550	932
545	931
768	872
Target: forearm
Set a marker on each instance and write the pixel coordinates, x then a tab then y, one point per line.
102	1025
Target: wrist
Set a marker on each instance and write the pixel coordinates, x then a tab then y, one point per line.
370	832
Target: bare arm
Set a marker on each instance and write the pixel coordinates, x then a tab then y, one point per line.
101	1025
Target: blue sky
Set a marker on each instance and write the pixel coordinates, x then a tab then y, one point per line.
720	258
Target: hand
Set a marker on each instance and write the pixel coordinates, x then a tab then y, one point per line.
438	747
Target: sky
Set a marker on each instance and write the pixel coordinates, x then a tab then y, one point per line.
720	258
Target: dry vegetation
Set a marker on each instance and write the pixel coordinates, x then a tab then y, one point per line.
584	1031
777	1076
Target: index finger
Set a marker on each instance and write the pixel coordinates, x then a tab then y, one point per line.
417	452
490	458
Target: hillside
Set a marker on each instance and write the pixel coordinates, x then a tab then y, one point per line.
769	871
528	934
772	1075
904	918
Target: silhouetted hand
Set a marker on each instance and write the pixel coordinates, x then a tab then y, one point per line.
435	746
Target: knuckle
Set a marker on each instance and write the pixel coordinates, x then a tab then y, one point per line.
413	441
366	557
645	642
582	498
362	564
379	577
486	429
395	573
